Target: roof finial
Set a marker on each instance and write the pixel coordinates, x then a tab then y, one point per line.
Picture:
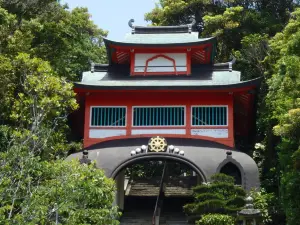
231	63
130	24
193	22
92	67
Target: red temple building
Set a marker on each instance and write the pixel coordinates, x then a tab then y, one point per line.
162	84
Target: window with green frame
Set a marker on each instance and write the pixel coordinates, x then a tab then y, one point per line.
108	116
158	116
209	116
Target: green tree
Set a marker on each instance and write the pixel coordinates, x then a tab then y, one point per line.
68	40
31	182
283	106
221	196
80	194
42	46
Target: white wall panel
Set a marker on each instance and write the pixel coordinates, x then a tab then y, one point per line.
141	58
104	133
160	69
158	131
215	133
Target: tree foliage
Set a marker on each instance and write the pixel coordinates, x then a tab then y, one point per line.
68	40
216	219
283	101
263	201
42	47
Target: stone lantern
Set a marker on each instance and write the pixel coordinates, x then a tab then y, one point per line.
249	215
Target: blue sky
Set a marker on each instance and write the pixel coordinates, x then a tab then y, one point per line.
113	15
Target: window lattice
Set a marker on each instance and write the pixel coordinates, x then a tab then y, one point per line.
158	116
209	116
108	116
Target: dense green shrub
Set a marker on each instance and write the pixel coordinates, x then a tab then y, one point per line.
216	219
219	196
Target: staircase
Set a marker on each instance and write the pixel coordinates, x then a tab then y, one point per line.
143	187
172	213
138	210
158	199
137	217
150	187
173	219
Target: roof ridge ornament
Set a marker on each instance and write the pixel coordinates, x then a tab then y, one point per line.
187	28
193	22
92	67
130	24
229	64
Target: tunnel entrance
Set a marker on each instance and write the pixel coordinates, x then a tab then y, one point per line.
155	192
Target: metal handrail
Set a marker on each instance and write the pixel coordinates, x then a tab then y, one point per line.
158	199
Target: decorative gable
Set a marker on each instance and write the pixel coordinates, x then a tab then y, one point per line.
161	64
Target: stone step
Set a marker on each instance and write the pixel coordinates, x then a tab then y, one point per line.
137	217
181	221
175	223
136	221
151	190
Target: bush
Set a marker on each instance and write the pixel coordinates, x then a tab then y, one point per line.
220	196
263	201
216	219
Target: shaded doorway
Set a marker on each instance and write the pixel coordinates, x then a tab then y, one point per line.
232	170
157	189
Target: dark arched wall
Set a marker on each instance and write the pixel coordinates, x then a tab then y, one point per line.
205	157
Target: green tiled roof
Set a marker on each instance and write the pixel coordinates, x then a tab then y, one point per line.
200	80
214	78
163	38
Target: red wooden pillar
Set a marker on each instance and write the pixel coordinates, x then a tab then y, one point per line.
129	120
230	121
188	119
87	118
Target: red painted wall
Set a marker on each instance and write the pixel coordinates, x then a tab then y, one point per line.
157	98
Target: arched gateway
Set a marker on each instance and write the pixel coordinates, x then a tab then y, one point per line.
161	83
204	157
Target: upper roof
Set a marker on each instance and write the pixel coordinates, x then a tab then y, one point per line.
163	37
116	75
161	40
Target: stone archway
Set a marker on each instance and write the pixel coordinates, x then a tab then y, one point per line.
118	173
158	156
205	157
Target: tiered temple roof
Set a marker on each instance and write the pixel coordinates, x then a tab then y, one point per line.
204	73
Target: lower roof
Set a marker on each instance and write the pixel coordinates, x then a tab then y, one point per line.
198	80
